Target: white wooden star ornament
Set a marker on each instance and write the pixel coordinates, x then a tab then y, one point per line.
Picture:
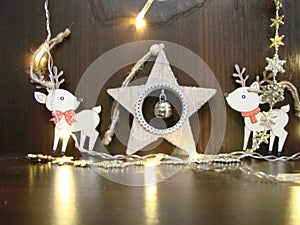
161	78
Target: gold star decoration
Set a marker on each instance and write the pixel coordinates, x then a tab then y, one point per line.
277	21
278	4
262	137
277	41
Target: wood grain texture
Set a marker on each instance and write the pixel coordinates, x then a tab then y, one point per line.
222	33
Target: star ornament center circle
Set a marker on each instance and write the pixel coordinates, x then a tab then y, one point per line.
139	107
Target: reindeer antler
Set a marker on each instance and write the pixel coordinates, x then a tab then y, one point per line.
54	77
40	79
266	78
239	74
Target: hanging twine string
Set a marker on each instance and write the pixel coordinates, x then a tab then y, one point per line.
294	92
154	50
45	48
44	51
47	21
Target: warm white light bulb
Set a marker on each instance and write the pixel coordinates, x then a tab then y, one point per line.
140	23
40	58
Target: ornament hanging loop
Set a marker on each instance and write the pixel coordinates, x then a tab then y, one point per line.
162	96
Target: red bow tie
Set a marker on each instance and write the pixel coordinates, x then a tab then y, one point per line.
69	116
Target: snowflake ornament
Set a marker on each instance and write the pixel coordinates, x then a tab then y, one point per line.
275	65
272	93
267	119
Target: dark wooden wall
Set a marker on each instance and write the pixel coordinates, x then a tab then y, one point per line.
222	33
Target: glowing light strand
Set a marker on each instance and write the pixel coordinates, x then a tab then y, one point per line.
217	163
234	157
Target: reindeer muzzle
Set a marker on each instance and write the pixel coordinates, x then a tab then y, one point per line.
79	99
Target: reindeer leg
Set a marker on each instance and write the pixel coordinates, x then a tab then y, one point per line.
282	137
246	137
82	139
93	138
254	141
64	145
272	138
56	139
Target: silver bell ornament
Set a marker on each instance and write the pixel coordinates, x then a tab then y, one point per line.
162	108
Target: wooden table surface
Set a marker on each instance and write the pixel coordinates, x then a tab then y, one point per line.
32	193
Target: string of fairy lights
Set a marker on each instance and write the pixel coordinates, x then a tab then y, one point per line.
271	93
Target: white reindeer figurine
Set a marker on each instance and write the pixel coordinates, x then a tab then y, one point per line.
246	100
63	104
